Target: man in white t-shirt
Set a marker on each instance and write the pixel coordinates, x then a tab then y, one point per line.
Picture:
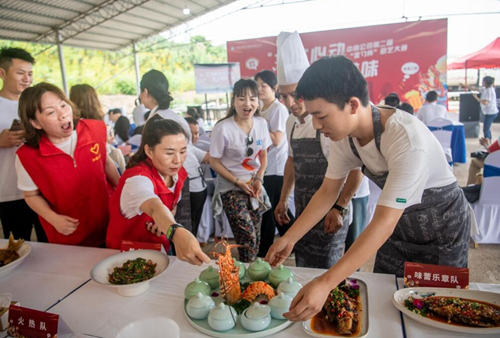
422	214
306	165
16	71
432	110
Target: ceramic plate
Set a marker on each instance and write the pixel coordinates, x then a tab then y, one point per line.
489	297
101	270
238	331
23	251
150	327
363	291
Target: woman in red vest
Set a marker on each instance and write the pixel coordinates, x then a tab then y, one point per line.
63	167
143	206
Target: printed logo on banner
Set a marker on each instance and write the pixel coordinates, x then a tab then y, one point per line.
377	51
429	275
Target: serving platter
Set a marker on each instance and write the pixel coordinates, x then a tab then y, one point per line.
100	272
238	331
363	291
23	252
482	296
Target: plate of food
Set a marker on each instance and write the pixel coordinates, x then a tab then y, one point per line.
130	272
12	253
458	310
345	312
233	302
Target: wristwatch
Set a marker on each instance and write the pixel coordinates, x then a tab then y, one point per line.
171	230
343	211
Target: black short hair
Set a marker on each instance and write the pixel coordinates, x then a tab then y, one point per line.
392	100
489	80
191	120
7	54
268	77
431	96
406	107
335	79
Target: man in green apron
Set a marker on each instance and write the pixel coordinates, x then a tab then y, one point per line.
306	166
422	214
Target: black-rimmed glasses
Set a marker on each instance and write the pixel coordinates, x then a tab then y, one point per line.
249	150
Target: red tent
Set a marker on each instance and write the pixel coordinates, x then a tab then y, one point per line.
488	57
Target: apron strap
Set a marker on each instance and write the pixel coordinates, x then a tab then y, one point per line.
377	131
293	129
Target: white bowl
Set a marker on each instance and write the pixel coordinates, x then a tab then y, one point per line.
23	251
100	272
151	328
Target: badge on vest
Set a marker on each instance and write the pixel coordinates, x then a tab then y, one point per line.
401	200
95	150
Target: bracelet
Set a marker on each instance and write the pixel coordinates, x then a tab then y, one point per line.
259	179
236	181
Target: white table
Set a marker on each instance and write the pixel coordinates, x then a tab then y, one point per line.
57	274
50	273
417	330
100	311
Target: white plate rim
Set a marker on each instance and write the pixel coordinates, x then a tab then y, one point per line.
227	334
123	329
400	295
126	256
25	250
306	325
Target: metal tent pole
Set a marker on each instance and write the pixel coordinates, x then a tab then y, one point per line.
137	71
61	61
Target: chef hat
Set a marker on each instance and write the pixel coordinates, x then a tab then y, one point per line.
292	58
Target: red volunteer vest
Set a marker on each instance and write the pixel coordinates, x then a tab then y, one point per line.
134	229
76	189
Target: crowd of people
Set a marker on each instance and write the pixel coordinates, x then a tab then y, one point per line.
308	131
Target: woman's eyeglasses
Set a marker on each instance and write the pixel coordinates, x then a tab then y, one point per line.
249	150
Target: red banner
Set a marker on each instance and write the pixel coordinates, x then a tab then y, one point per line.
406	58
430	275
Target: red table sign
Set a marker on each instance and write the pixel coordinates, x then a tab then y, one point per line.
131	245
429	275
24	322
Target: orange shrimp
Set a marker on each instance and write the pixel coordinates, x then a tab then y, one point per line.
229	281
258	288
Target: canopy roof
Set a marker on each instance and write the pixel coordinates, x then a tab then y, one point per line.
99	24
487	57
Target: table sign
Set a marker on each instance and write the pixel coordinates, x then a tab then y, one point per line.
24	322
132	245
429	275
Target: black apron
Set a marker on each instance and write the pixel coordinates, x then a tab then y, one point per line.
316	249
435	231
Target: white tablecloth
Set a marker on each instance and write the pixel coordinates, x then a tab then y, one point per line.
49	273
57	277
100	311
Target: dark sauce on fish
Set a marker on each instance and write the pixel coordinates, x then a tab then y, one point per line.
438	318
320	325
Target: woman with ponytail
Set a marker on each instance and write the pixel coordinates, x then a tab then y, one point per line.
155	96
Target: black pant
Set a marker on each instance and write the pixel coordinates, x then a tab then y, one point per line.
272	184
18	218
197	202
